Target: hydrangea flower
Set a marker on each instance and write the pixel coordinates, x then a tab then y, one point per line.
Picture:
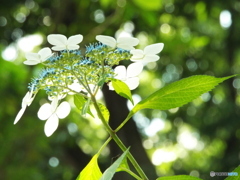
128	75
52	113
148	54
75	86
36	58
126	43
61	42
27	100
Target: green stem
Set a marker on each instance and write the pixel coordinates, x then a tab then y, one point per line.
117	140
131	173
124	122
104	145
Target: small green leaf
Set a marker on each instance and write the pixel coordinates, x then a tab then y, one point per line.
82	104
79	101
179	93
179	177
124	165
104	111
122	89
91	171
234	175
108	174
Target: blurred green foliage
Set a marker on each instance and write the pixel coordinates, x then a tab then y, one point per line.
198	138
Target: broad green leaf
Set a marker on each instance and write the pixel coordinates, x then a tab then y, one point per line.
91	171
122	89
104	111
234	175
179	177
108	174
179	93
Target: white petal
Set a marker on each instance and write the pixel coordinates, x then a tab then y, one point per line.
59	97
73	47
110	86
134	69
108	40
27	99
51	125
121	72
138	54
75	87
125	46
63	110
32	56
45	111
150	58
127	42
59	48
132	83
57	39
31	62
45	53
54	104
76	39
153	48
19	115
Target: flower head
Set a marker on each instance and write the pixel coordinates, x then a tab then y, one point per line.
126	43
27	100
128	75
36	58
61	42
148	54
52	113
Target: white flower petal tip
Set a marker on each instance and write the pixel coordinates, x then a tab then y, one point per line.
26	101
36	58
19	115
126	43
51	125
148	54
107	40
61	42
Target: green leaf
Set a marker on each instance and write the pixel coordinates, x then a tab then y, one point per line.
234	175
104	111
79	101
82	104
122	89
124	165
108	174
179	93
179	177
91	171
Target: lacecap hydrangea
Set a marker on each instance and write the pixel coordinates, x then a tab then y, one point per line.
67	70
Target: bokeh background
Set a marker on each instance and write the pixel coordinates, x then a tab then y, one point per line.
200	37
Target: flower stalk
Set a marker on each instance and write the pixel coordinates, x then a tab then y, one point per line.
117	140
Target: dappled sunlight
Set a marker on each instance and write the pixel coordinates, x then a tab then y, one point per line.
163	156
156	125
25	44
225	19
189	139
10	53
28	43
53	161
